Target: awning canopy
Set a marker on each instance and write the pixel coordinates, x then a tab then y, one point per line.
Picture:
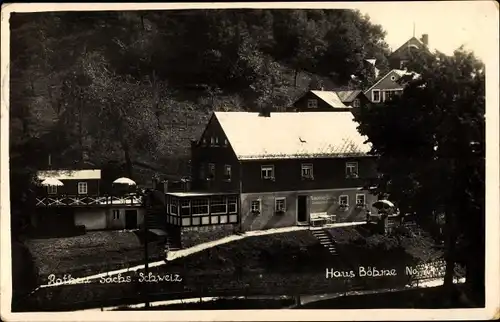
383	204
52	182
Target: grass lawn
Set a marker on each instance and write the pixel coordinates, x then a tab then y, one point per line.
88	254
280	264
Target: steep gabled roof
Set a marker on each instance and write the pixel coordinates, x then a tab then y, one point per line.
348	96
331	98
399	72
406	45
288	135
69	174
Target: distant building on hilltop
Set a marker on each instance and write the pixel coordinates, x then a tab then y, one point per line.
405	53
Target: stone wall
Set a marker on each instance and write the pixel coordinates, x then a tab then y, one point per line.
191	236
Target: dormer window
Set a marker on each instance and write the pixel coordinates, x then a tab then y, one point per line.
356	103
312	103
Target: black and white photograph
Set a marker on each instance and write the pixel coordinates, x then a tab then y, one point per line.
250	161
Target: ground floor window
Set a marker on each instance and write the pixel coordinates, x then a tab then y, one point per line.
82	188
360	199
280	204
218	205
344	200
255	206
173	207
232	204
199	206
185	208
52	190
116	214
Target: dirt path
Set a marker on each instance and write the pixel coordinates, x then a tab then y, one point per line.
306	299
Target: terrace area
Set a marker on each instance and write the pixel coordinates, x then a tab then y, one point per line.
86	200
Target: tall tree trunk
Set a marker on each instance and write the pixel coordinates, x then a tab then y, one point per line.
475	260
128	159
80	129
450	243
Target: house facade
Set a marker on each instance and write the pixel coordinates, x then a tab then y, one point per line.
286	169
393	82
406	52
79	202
388	86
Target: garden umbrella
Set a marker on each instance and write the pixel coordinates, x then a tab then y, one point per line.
126	181
383	204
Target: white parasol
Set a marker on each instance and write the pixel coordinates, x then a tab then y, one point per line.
126	181
52	182
382	204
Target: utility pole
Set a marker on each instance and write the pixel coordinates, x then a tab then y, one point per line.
148	204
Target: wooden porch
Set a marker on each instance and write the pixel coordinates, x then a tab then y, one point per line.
191	209
88	201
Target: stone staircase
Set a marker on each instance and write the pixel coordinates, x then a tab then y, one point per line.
326	240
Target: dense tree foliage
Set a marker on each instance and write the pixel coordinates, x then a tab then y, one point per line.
430	146
121	86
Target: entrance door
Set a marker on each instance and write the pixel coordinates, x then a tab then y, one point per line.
302	213
130	219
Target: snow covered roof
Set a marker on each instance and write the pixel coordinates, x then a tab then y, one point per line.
286	135
331	98
399	72
69	174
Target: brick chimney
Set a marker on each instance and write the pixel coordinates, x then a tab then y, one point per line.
265	111
425	39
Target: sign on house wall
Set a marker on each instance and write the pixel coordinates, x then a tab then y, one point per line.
323	203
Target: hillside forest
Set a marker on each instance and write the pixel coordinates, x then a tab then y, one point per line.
130	90
126	92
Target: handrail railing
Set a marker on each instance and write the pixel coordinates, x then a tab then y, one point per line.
87	200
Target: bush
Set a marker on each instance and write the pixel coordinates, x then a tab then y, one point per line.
24	275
